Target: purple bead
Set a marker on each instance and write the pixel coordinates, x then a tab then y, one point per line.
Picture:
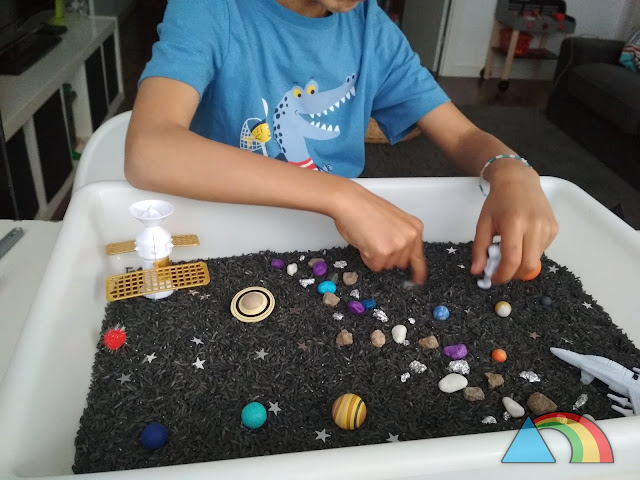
456	352
277	263
319	269
356	307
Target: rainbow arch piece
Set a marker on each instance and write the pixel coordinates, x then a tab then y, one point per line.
588	443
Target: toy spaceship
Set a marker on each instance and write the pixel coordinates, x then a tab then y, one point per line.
618	378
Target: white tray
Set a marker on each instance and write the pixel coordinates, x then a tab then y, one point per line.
45	389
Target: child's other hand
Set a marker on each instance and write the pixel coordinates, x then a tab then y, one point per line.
518	211
386	236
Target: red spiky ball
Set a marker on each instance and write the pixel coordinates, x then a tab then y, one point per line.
115	338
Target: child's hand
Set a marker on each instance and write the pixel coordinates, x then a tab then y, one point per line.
518	211
386	236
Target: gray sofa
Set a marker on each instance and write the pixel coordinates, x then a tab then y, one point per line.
596	101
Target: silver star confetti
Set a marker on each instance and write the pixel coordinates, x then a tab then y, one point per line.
553	269
193	292
405	343
417	367
582	399
340	264
461	266
199	364
323	435
305	282
338	316
150	358
261	354
412	321
489	419
530	376
404	377
301	257
355	293
205	296
408	284
273	407
506	416
459	366
197	341
467	311
586	305
124	378
452	250
393	438
380	315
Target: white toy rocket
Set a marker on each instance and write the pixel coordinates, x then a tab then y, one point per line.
618	378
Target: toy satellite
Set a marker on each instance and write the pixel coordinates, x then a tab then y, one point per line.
154	244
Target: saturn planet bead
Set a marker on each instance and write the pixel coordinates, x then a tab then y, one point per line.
349	411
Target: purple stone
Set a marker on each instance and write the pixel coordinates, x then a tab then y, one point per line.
356	307
319	269
457	352
277	263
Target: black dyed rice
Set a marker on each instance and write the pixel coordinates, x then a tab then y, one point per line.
201	408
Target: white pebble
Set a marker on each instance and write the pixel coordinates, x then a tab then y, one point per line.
399	333
452	383
417	367
489	419
513	407
380	315
355	293
586	415
305	282
412	321
404	377
340	264
292	268
459	366
338	316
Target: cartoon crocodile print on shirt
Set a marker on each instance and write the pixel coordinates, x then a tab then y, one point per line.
291	128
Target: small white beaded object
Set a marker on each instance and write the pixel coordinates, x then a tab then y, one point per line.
481	179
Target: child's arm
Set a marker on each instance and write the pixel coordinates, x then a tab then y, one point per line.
163	155
516	208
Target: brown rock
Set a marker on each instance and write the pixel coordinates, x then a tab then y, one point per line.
330	299
349	278
344	338
495	380
378	339
313	261
473	394
429	342
541	404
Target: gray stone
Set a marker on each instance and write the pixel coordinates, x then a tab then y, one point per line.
330	299
540	404
313	261
495	380
378	339
349	278
344	338
473	394
428	343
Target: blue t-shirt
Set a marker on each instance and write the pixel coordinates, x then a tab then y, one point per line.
292	87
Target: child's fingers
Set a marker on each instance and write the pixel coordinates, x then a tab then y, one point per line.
418	264
510	255
481	243
532	249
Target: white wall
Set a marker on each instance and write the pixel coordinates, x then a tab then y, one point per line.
111	8
470	24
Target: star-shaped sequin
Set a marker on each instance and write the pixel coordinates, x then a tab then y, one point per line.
150	358
553	269
534	335
197	341
393	438
193	292
295	311
261	354
303	346
199	364
124	378
461	266
323	435
586	305
205	296
452	250
467	311
273	407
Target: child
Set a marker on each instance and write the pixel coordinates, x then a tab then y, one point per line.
317	69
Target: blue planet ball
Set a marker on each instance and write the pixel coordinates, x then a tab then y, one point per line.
154	436
546	301
254	415
369	303
441	312
327	286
